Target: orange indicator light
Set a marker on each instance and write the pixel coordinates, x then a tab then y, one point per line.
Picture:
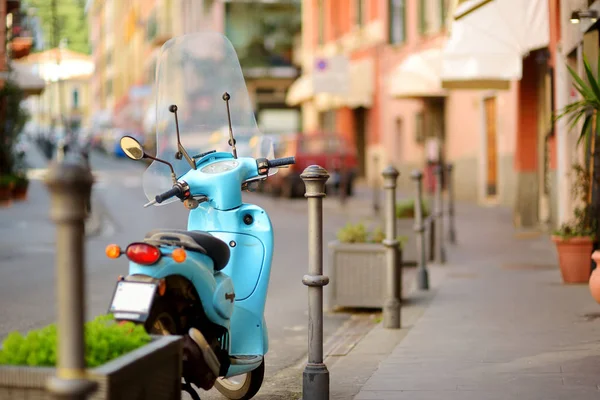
179	255
113	251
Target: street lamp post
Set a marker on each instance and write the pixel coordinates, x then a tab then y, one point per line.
315	379
70	186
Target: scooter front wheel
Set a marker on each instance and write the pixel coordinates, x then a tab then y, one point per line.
242	387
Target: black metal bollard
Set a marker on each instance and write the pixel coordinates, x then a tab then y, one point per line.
391	308
422	273
315	379
451	221
440	253
70	187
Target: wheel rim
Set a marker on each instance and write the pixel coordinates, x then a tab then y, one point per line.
233	383
163	325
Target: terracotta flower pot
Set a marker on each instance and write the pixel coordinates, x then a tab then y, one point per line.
595	278
20	191
5	195
574	258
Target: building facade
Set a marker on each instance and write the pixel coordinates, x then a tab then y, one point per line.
127	37
431	81
65	101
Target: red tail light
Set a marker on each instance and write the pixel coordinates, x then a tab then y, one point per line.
143	253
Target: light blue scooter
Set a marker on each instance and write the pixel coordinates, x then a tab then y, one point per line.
209	282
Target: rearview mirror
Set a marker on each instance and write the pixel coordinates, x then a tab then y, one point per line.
132	148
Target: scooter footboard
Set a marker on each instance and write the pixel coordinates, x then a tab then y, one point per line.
248	333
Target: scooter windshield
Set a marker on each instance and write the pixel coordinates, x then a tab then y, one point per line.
193	72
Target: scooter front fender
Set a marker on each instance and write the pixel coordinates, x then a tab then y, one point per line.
198	269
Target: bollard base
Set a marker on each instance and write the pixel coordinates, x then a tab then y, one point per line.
452	236
391	314
70	389
315	382
422	279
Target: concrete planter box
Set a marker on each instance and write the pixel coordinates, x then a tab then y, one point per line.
357	275
406	227
152	372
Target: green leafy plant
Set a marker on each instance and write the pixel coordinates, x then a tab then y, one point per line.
358	233
586	109
105	340
579	225
6	180
21	180
406	208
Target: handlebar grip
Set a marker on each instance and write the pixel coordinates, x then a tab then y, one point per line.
175	191
279	162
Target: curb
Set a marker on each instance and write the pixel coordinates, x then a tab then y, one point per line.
362	361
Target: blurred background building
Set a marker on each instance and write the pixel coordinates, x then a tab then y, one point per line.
126	37
414	83
472	82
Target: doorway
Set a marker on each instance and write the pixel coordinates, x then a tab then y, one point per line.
491	145
360	122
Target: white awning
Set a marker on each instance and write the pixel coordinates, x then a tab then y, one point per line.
300	91
26	79
362	87
418	76
489	39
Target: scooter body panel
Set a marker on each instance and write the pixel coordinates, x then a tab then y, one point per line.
198	269
249	267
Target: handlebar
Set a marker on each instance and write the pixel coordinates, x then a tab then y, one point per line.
175	191
279	162
181	191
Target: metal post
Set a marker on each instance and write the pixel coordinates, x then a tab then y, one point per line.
391	308
440	251
451	226
422	273
343	188
315	379
376	193
69	187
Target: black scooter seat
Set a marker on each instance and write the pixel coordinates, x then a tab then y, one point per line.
213	247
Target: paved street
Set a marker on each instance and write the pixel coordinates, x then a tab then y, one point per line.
497	324
27	255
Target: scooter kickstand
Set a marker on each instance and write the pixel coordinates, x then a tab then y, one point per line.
187	387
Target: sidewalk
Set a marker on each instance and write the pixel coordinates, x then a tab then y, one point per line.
497	324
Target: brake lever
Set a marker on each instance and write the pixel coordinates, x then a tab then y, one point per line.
150	203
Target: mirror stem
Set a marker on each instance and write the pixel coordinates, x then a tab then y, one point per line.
226	97
173	176
180	148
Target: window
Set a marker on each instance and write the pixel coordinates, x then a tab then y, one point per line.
358	12
422	17
443	10
75	98
321	19
419	127
397	21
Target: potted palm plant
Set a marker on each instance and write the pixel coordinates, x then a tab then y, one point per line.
575	240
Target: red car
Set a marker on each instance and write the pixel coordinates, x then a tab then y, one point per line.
330	151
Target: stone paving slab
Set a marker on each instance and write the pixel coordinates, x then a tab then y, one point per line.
501	325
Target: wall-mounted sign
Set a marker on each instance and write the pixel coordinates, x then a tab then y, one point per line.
331	75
